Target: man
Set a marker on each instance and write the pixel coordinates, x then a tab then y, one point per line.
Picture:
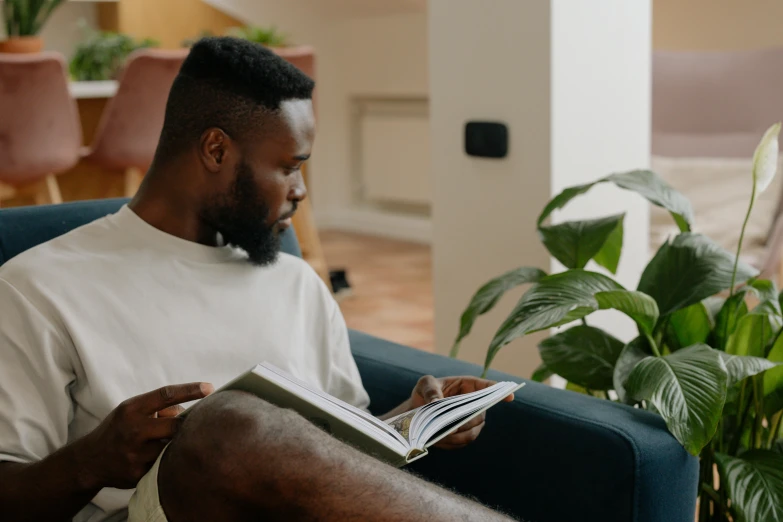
185	283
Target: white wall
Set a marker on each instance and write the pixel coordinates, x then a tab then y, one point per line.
370	52
488	60
601	121
572	83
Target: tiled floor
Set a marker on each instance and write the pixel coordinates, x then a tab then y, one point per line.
391	286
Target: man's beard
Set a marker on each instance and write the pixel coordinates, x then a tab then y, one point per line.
240	217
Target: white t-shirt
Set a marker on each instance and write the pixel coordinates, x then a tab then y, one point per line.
117	308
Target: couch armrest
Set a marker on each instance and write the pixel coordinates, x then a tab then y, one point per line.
549	456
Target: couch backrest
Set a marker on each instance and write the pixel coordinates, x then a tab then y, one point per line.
22	228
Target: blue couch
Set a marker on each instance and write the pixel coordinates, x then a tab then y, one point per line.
549	456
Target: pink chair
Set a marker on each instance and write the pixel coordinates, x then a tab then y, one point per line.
40	132
131	123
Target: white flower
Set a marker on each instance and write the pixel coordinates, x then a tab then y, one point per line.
765	158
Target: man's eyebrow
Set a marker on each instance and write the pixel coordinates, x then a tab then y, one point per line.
302	157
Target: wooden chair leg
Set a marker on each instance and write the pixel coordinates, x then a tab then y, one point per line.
47	191
133	179
6	192
53	189
309	242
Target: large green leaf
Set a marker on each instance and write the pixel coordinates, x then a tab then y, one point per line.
541	373
713	304
740	367
773	380
574	243
632	353
754	332
688	388
645	183
556	299
755	484
488	295
767	293
636	305
609	255
688	269
690	325
734	308
583	355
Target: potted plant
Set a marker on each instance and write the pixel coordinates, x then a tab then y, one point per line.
267	36
710	338
101	55
23	20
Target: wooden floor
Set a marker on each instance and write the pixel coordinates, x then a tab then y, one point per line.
391	286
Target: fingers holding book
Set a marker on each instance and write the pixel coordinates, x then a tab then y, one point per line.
466	434
429	388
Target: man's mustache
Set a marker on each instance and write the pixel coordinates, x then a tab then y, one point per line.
289	214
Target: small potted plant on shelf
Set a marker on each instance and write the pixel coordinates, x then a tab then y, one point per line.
709	352
23	20
101	55
266	36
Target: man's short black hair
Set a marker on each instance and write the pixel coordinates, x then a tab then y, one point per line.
228	83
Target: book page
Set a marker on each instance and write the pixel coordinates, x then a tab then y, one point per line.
451	419
402	423
378	424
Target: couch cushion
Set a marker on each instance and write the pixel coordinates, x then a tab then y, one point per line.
551	455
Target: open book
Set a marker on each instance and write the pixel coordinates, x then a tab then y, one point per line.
398	441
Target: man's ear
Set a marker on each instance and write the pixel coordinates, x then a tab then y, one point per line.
214	148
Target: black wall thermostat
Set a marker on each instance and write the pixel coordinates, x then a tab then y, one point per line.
486	139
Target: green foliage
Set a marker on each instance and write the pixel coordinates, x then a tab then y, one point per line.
574	243
688	269
541	373
711	365
633	353
755	485
645	183
488	295
27	17
101	55
268	36
572	352
688	326
556	299
637	305
686	385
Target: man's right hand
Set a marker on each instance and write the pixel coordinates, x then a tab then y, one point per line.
126	444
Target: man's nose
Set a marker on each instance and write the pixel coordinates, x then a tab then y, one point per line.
298	189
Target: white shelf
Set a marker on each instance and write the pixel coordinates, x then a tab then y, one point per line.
83	90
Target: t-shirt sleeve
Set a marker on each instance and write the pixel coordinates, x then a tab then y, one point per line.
35	372
345	383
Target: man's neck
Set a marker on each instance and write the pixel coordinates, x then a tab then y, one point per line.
172	211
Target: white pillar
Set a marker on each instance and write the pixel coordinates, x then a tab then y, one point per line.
571	79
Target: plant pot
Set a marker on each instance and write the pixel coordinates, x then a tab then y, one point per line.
22	44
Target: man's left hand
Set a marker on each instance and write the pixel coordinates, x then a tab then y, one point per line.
429	389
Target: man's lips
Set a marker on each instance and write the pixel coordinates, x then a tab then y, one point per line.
285	219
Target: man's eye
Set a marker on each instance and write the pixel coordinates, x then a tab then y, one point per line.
291	170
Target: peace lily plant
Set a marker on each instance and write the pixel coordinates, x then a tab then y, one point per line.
710	338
